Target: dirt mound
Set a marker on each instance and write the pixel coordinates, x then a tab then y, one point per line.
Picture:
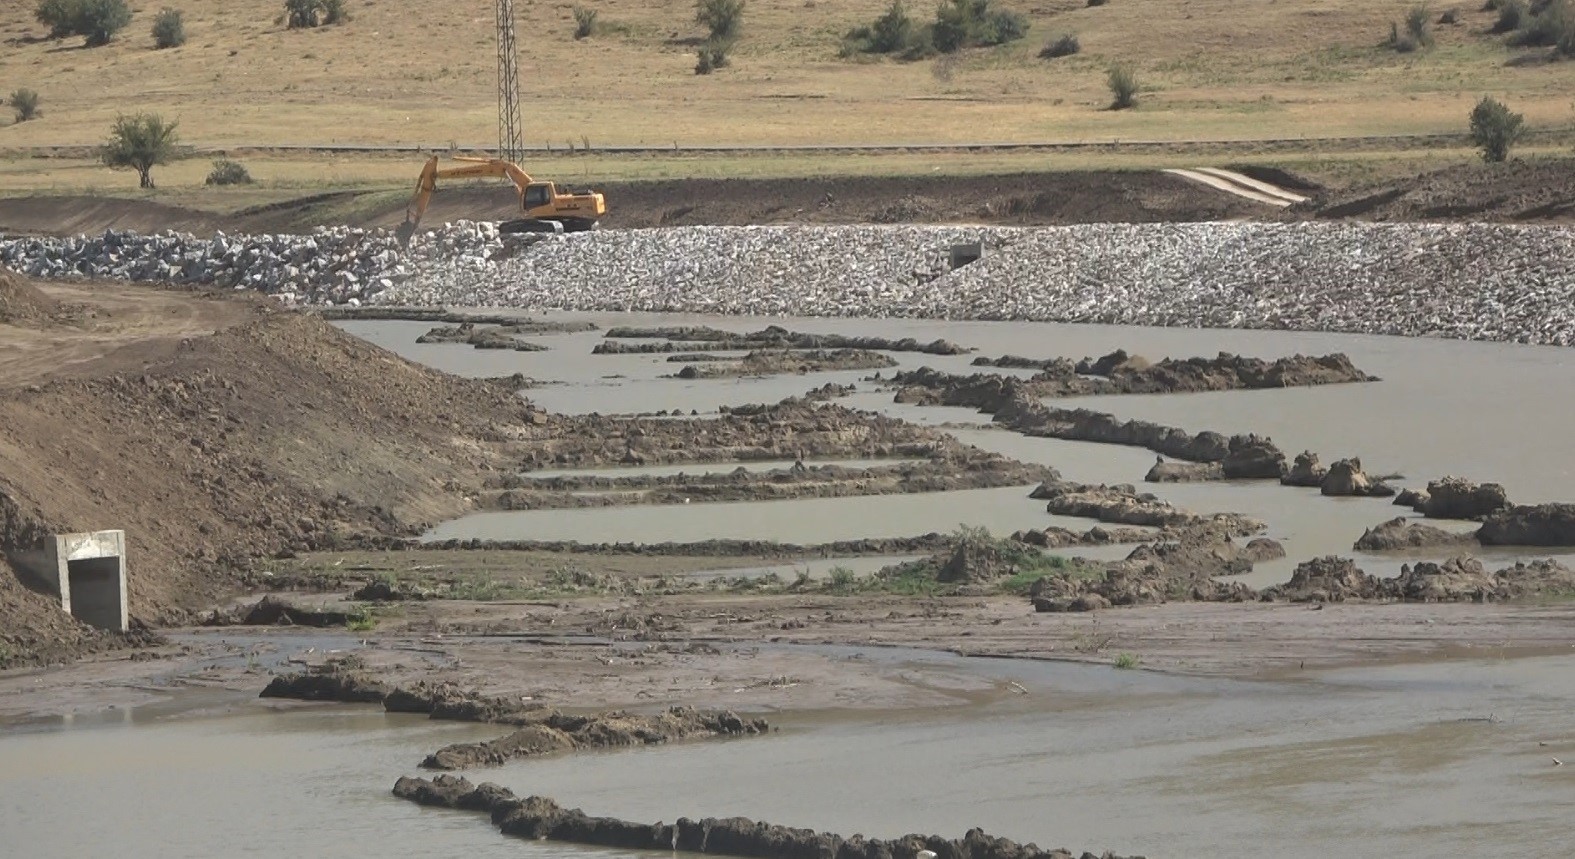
277	434
21	303
1532	191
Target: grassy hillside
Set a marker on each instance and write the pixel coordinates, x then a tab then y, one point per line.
414	72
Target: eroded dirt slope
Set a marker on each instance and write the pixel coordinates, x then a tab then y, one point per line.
274	432
1531	191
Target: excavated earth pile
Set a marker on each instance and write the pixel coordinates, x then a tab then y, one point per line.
279	433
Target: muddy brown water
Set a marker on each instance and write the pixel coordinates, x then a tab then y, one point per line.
1407	760
1486	411
1391	761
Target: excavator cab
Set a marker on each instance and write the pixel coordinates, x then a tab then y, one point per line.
543	208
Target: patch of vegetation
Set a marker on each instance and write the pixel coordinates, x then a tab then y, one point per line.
958	24
1417	32
24	103
6	656
1097	2
1494	128
584	22
1123	87
305	14
140	142
1064	45
1549	24
722	19
842	580
712	56
96	20
360	619
169	29
1127	661
227	172
1512	15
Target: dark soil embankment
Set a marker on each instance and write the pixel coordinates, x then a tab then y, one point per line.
1536	191
277	433
1025	198
539	818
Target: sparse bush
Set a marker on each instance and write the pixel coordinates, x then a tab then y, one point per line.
1450	17
1127	660
969	23
24	103
584	22
1064	45
140	142
301	14
1418	25
1511	16
62	16
101	19
842	579
227	172
1552	24
712	56
721	18
169	29
1123	88
96	20
1495	128
1097	2
360	619
892	31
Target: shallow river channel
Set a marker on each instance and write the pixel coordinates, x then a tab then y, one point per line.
1451	758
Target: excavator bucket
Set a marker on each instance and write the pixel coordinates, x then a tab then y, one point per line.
405	231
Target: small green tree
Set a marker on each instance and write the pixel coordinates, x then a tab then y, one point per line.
334	12
584	22
62	16
102	19
1495	128
892	31
1511	15
24	103
140	142
721	18
1123	87
169	29
97	20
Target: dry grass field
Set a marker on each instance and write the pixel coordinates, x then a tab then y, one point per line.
403	72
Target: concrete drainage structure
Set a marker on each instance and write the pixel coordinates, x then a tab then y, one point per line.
91	571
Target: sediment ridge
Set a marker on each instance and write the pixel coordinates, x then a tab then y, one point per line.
539	818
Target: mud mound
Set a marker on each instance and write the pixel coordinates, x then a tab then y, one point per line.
21	303
274	435
1542	190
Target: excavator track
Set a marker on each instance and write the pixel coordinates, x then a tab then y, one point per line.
543	225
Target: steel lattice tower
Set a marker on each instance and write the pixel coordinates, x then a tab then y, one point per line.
511	133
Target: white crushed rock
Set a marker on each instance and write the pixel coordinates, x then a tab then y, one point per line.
1472	281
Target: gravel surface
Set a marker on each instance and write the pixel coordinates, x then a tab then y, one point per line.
1471	281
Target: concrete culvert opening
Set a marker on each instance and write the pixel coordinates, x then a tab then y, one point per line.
966	253
92	574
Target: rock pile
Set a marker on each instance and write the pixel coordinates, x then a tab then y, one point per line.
1470	281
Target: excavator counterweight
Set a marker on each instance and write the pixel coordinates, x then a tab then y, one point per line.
542	206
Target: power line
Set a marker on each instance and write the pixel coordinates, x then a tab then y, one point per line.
511	132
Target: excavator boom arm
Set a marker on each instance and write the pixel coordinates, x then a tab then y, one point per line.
427	183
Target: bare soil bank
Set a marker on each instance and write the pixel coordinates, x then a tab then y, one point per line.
213	432
1527	191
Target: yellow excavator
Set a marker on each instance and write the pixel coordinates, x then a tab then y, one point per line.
544	207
